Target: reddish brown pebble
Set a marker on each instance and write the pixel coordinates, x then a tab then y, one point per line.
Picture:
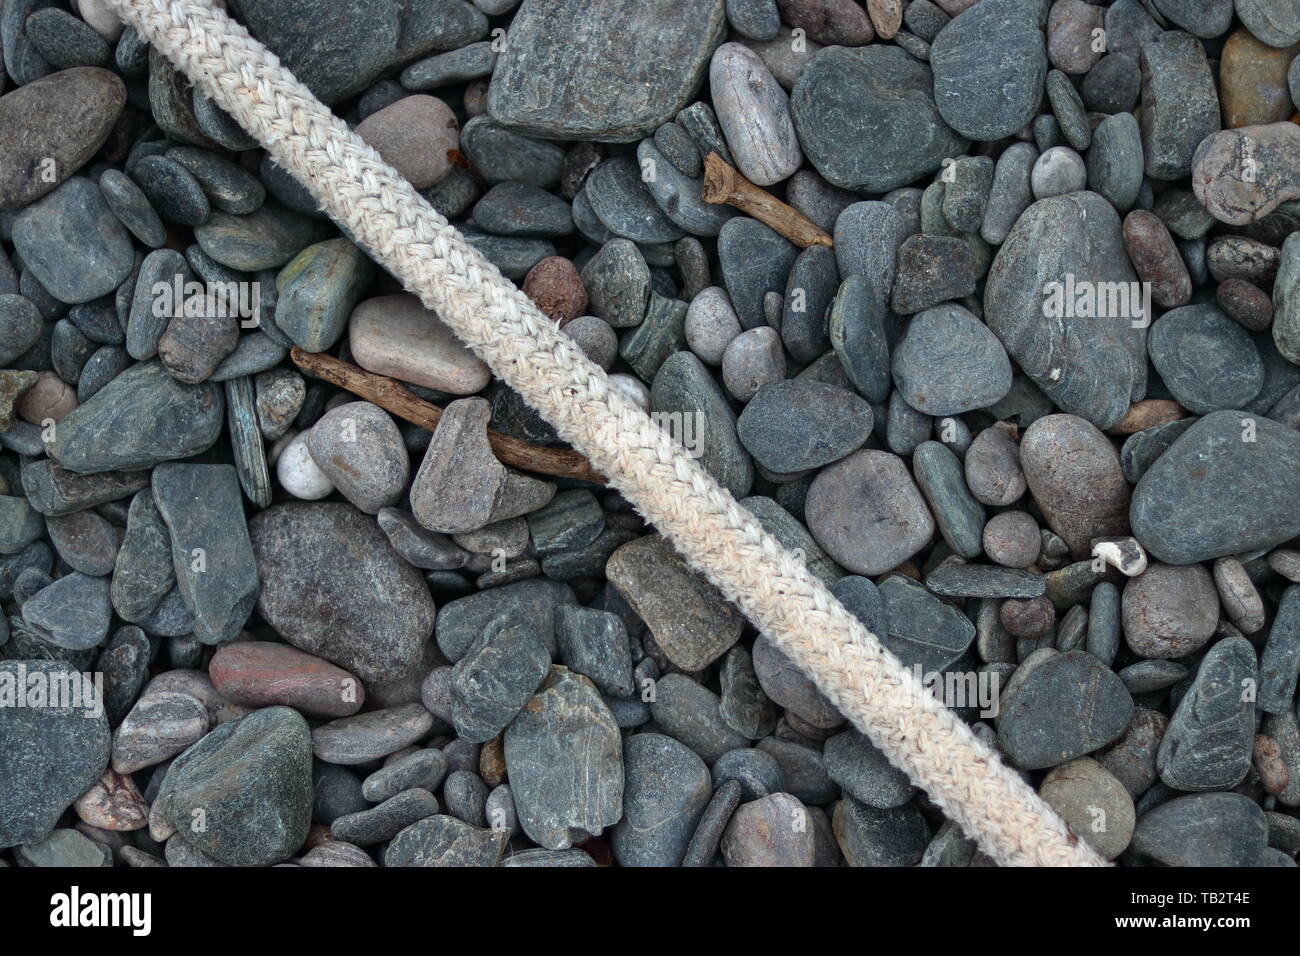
318	834
492	762
113	803
1253	81
886	16
1012	539
1156	259
1247	303
1273	775
1031	618
829	22
1146	414
262	674
415	135
556	288
49	399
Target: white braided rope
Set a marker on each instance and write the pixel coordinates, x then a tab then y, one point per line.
525	349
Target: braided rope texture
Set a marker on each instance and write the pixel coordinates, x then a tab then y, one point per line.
384	214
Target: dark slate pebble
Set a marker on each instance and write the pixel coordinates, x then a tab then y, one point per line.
73	612
798	424
442	840
666	791
860	335
814	279
873	837
594	643
1207	361
959	516
460	622
1180	106
1203	829
684	392
865	772
754	261
1067	706
931	270
689	712
984	581
172	190
495	678
521	209
920	628
948	362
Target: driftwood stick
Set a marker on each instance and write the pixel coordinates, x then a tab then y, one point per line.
723	184
391	395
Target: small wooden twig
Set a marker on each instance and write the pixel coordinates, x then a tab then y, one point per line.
722	184
391	395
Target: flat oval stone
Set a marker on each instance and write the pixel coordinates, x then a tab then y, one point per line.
754	260
72	242
687	398
872	837
1222	488
1062	454
322	551
369	736
416	136
263	674
993	471
989	66
1207	361
264	239
867	118
948	362
1069	705
317	291
49	755
1203	829
621	201
1170	611
1094	804
359	448
1208	744
395	335
666	789
868	513
443	840
54	125
140	418
754	113
568	72
800	423
1068	317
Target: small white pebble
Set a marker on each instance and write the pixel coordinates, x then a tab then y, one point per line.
299	474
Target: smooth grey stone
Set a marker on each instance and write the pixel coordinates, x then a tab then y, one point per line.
49	755
212	121
36	555
1215	493
457	66
358	447
73	612
466	797
594	643
104	365
772	831
419	546
867	118
809	291
20	524
264	239
1144	677
678	195
72	242
460	622
1180	107
924	19
787	686
744	707
65	848
1141	449
989	66
1010	193
1089	366
521	209
181	854
872	837
376	633
1068	107
143	571
1279	665
868	513
799	424
920	629
617	280
53	491
858	328
754	113
154	302
124	662
861	598
64	117
1208	743
984	581
993	471
1113	85
754	19
85	541
1207	361
1067	706
172	190
1274	22
566	73
137	420
757	772
453	195
688	712
1199	19
1114	161
623	203
817	199
318	290
159	726
666	791
1202	829
171	618
445	841
754	260
948	362
966	192
371	735
501	155
132	207
686	398
496	677
252	780
211	551
865	772
20	327
564	758
227	185
170	102
960	518
704	843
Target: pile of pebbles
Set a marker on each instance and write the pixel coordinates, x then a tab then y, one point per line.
1034	418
